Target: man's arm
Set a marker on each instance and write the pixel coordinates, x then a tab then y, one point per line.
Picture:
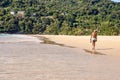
96	36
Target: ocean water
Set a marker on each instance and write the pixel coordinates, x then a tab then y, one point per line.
12	38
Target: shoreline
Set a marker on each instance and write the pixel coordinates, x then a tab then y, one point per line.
108	45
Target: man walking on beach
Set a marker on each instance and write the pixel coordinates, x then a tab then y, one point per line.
93	39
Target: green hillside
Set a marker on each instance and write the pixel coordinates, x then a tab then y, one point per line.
70	17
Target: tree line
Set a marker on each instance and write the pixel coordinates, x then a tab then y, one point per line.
65	17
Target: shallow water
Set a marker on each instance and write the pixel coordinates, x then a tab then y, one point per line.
13	38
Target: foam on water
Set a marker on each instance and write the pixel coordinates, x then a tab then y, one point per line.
10	38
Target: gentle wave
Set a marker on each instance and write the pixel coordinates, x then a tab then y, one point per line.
11	38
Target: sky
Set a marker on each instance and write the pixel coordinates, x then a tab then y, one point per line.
116	0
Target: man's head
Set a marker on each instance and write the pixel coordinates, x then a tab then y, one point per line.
95	30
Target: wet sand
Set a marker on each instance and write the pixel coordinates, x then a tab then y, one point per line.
31	60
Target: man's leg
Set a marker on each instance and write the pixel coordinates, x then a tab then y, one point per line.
93	44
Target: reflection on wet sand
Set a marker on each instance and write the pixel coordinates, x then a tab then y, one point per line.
48	41
93	52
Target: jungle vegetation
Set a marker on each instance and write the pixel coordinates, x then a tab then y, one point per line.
64	17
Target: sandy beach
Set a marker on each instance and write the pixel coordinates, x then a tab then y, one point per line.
108	45
29	58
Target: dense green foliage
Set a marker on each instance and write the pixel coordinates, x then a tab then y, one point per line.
70	17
